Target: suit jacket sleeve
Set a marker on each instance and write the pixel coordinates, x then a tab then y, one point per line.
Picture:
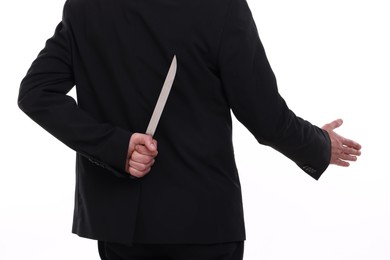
252	93
43	97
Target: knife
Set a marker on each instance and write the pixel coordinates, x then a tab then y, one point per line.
162	99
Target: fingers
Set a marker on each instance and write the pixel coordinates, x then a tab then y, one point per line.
342	154
354	145
351	151
141	161
340	163
347	157
140	169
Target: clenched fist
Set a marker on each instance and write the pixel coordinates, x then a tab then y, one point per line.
141	154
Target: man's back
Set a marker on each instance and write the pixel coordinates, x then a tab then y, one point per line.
118	53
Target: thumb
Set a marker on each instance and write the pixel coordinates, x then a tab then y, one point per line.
150	143
333	125
143	139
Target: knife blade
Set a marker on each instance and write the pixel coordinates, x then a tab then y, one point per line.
162	99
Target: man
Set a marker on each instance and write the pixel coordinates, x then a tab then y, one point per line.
175	195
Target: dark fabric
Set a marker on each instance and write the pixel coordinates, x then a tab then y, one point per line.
225	251
117	53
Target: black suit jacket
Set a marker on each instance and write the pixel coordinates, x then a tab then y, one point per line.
117	53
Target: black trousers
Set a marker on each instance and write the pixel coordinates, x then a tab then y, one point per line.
225	251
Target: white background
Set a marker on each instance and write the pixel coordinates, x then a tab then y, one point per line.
331	59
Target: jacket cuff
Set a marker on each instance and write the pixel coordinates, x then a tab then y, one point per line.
112	155
316	169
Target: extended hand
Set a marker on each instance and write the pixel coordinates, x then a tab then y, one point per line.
141	153
343	149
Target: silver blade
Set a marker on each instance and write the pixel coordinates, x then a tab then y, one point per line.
162	99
